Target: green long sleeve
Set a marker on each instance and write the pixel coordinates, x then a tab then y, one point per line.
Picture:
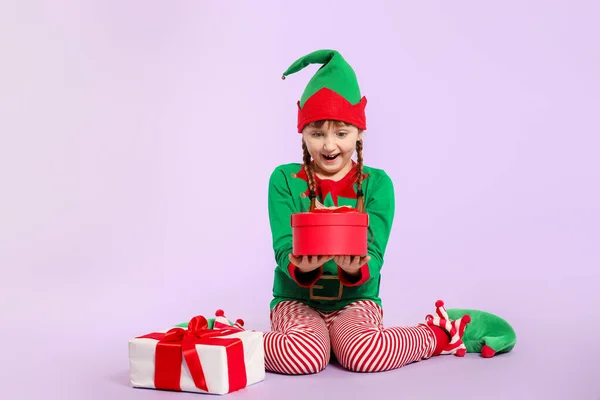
281	207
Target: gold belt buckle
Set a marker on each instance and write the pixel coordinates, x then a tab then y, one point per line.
315	286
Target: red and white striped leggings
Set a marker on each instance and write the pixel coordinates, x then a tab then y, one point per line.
302	338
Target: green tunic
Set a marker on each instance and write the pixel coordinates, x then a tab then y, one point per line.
328	288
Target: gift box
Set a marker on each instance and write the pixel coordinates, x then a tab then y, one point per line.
199	356
330	232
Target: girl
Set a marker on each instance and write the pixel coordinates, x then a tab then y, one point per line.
332	304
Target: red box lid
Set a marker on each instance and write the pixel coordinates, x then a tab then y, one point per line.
331	219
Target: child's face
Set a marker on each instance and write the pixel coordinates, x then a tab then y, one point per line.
332	147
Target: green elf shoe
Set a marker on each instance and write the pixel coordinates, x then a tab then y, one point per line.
218	322
487	334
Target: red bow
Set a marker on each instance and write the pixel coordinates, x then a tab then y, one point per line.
178	342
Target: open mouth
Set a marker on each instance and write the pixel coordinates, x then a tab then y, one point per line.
330	157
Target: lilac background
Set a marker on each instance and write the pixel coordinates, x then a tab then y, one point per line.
137	139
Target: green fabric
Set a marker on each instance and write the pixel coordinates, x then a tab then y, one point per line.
485	329
335	74
285	197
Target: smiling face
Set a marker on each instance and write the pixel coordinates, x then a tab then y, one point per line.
331	146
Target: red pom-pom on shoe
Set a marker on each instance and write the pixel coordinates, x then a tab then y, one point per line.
487	352
240	322
219	313
466	318
460	352
439	303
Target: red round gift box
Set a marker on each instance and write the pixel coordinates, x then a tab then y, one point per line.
329	234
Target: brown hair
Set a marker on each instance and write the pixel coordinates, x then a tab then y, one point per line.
308	167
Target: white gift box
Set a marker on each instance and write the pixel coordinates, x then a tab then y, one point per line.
213	359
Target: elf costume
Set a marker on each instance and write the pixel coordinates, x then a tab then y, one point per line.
288	193
326	311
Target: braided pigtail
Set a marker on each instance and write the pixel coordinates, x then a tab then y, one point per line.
360	201
308	168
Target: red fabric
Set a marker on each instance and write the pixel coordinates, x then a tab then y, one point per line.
303	279
442	339
178	344
342	188
347	280
327	104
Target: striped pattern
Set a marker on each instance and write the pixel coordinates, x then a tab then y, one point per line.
239	324
298	342
362	344
455	328
301	340
221	322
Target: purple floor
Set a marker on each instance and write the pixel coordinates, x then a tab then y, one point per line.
556	357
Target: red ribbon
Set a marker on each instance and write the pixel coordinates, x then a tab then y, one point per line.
334	210
178	342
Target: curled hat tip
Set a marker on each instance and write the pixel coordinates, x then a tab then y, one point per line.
219	313
283	77
439	303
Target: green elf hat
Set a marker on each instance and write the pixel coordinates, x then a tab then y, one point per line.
332	93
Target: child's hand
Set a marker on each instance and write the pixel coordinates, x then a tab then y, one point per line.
351	264
307	264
